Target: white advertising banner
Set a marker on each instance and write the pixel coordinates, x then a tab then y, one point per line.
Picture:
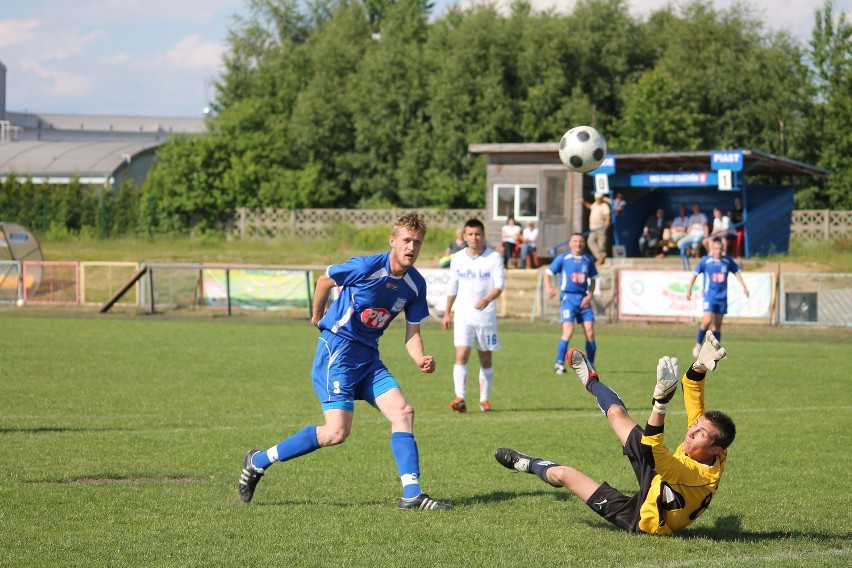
661	293
437	281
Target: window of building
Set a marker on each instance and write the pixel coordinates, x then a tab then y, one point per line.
518	200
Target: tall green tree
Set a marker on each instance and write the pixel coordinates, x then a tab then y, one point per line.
828	141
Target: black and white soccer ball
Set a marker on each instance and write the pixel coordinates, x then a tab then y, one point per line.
582	149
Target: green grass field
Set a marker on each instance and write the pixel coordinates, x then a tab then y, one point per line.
122	439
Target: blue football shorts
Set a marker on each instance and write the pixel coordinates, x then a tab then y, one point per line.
571	310
345	371
715	305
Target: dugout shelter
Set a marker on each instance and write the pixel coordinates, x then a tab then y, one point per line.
529	182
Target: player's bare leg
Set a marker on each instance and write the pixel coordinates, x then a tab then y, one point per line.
460	378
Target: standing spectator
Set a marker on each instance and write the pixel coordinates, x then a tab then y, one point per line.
510	233
528	246
455	246
652	232
576	274
698	231
716	269
599	220
373	291
477	278
618	204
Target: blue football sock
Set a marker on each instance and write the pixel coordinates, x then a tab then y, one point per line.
718	336
700	337
605	396
591	349
404	450
539	467
561	351
302	442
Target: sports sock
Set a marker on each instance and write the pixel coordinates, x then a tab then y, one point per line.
591	349
460	379
699	339
302	442
404	450
605	396
561	351
486	378
539	467
718	336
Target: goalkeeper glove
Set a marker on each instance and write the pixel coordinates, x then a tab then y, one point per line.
668	374
711	352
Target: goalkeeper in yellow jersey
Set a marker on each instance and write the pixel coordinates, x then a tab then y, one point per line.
674	488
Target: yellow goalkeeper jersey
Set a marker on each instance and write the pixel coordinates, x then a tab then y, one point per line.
683	487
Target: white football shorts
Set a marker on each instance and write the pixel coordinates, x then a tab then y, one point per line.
480	337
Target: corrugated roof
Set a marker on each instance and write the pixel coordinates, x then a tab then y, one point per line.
52	159
754	161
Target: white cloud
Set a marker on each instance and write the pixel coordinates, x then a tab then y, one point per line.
56	81
116	59
17	31
192	52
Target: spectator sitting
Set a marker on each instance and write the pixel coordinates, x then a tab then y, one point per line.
691	243
528	246
679	227
455	246
673	234
652	232
721	230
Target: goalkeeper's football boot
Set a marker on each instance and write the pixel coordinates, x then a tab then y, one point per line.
511	459
423	502
458	405
249	477
484	406
711	353
581	365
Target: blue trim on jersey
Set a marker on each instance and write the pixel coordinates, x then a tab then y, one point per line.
370	298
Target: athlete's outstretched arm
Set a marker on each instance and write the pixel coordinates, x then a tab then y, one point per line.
691	284
742	283
321	294
414	346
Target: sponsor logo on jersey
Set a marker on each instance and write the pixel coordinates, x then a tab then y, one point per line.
377	318
391	285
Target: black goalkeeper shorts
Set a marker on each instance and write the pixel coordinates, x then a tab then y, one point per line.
614	506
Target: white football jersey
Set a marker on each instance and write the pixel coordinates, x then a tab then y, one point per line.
471	279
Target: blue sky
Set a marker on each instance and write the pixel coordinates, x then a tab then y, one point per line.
160	57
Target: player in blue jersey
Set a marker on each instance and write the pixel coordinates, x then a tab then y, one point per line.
576	273
373	290
716	267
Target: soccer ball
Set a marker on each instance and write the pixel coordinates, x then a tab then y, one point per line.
582	149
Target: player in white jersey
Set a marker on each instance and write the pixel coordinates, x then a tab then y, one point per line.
477	277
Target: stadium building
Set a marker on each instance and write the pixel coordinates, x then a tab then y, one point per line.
99	150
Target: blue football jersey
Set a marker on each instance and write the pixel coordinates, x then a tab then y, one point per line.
574	272
716	275
370	298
